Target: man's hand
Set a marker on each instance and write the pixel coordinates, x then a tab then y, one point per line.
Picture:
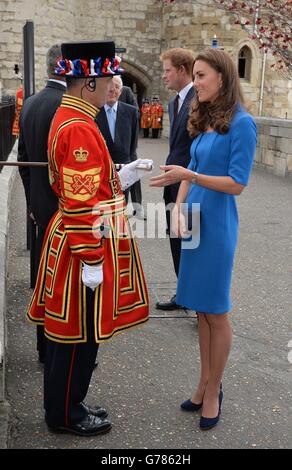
92	276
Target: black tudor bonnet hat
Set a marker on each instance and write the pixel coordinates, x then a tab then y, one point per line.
88	59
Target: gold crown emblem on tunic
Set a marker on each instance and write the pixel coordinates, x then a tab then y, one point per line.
80	154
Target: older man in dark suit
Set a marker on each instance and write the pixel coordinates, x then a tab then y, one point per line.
119	125
177	75
35	120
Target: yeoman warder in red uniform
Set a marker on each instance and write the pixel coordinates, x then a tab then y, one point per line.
90	283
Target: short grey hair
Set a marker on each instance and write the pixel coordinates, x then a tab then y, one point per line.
119	79
53	54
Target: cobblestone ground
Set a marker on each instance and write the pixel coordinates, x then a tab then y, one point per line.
144	375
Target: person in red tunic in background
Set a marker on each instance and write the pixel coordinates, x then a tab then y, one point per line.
156	116
90	282
145	117
18	106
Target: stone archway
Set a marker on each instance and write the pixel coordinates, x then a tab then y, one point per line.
138	79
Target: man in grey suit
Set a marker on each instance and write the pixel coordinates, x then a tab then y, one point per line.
177	75
35	120
119	124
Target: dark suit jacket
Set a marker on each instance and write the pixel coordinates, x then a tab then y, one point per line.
123	149
179	142
127	96
35	119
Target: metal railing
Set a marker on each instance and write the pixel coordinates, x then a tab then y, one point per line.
7	111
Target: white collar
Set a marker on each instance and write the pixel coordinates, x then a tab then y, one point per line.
58	81
183	93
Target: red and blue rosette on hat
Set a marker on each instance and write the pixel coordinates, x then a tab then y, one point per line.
83	68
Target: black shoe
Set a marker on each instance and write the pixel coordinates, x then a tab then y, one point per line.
42	357
188	405
171	305
95	410
209	423
90	426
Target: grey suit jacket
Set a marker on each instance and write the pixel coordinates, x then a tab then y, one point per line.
123	148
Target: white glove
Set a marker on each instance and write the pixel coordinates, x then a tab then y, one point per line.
129	174
92	276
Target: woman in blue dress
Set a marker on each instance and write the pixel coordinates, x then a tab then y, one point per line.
221	160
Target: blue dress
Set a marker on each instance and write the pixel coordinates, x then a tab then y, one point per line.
204	279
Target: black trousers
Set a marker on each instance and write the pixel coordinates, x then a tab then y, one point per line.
40	233
136	193
175	245
67	374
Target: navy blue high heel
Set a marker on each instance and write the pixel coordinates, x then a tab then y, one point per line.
208	423
188	405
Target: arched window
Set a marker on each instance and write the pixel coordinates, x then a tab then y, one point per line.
244	62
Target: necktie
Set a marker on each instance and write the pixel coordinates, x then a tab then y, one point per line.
175	106
111	118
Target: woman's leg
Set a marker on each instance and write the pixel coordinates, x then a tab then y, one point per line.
220	345
204	343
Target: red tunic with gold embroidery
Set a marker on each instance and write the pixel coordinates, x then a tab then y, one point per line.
84	178
18	106
156	116
145	116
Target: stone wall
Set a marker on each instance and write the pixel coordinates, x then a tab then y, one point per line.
274	149
7	176
193	25
132	24
54	21
145	28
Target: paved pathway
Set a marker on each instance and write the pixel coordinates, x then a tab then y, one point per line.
145	374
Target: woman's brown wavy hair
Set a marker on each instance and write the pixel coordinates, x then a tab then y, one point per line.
219	113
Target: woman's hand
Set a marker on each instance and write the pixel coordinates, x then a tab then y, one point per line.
173	174
178	222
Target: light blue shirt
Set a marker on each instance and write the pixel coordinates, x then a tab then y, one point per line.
111	114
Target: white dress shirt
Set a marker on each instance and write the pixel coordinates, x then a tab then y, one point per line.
183	93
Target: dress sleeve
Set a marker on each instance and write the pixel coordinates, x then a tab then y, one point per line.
191	166
242	150
81	176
